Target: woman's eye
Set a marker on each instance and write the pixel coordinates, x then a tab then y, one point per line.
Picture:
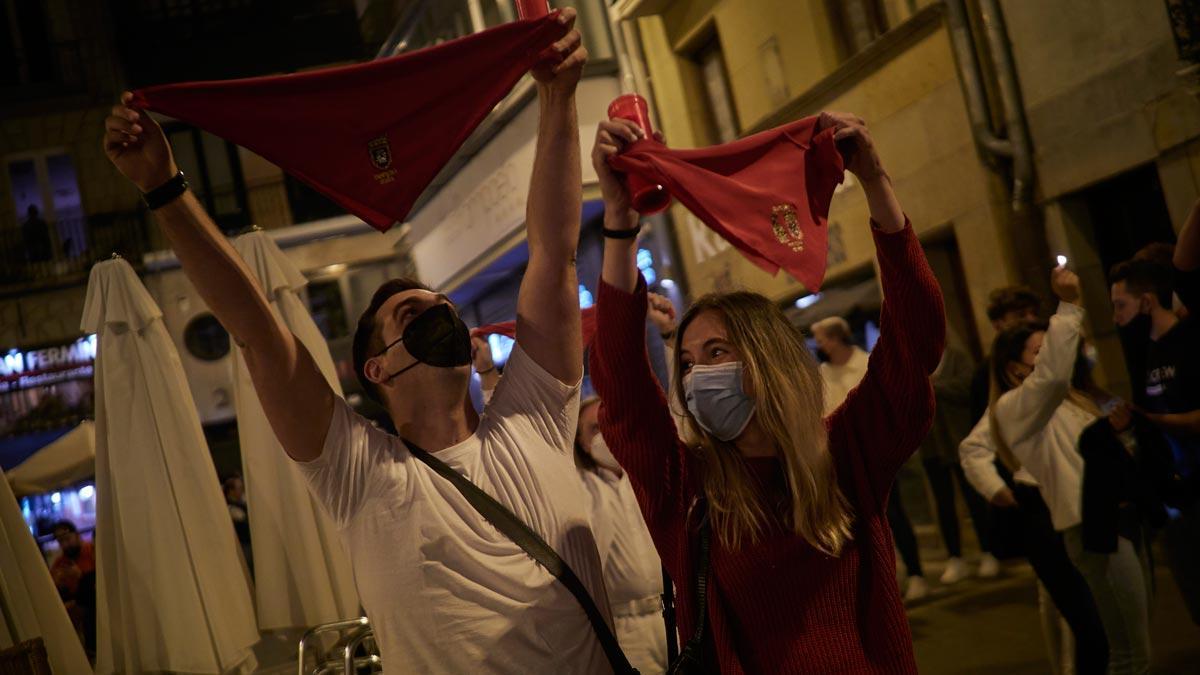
687	367
716	351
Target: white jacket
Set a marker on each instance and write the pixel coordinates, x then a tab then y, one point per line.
1042	427
977	454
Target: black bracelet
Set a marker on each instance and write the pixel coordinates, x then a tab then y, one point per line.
166	193
667	335
485	372
621	234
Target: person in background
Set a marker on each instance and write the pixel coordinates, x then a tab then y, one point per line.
939	457
235	499
1007	307
1043	402
35	236
843	366
74	574
1164	364
843	363
1016	497
632	571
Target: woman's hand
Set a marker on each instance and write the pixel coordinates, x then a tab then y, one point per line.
611	138
860	158
662	314
481	355
854	142
1065	284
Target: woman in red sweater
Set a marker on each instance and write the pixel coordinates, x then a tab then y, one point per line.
802	566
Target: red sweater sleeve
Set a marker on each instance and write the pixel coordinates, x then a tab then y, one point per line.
636	421
889	413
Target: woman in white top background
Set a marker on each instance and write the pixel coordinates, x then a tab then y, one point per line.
1042	401
633	575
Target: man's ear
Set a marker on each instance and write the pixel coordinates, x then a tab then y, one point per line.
373	369
1147	302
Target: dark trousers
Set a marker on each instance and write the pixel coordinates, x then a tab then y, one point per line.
1048	556
902	532
1181	539
941	481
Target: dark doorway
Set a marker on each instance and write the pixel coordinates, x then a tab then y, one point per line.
1127	213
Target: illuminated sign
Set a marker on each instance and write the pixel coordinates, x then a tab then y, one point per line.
47	365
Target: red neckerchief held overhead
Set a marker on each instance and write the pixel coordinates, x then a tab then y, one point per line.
370	136
768	194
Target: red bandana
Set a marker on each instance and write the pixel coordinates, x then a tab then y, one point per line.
767	194
587	320
370	136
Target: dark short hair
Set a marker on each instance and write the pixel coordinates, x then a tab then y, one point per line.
367	340
64	525
1160	252
1144	276
1011	299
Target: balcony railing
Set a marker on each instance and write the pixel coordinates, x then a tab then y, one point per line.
37	253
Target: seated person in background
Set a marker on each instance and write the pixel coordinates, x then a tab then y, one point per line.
74	574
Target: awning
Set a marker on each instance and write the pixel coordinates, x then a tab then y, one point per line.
838	301
62	463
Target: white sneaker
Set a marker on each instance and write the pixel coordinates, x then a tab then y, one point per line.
989	567
956	571
917	588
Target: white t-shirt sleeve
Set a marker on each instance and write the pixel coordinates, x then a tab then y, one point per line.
343	476
533	399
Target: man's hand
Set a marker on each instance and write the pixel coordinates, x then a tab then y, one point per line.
662	314
561	76
1065	284
137	146
854	142
611	138
1004	499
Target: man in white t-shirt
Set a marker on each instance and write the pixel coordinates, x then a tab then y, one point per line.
844	363
445	591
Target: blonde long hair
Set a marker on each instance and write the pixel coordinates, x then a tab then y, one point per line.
789	397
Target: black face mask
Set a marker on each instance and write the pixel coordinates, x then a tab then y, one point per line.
436	337
1138	329
822	356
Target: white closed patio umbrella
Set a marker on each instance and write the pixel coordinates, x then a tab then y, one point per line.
29	602
302	574
171	594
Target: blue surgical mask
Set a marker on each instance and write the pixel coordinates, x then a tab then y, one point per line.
716	399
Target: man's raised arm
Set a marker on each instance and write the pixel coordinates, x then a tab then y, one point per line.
548	304
293	392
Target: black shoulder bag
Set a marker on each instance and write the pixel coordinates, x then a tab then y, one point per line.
691	659
504	520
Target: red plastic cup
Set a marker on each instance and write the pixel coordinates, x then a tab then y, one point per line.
532	9
647	197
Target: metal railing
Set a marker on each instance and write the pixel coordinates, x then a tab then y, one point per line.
38	253
353	649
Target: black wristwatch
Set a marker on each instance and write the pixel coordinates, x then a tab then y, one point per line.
166	193
621	234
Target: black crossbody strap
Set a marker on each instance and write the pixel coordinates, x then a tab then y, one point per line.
529	541
702	570
691	657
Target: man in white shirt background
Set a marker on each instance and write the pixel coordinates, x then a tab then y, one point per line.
843	363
